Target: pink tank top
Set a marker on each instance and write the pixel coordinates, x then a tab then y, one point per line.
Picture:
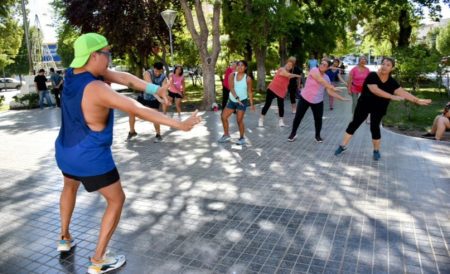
358	78
279	84
313	91
176	85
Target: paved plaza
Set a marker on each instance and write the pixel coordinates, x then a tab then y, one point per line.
196	206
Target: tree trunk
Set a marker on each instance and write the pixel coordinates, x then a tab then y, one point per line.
208	58
209	85
261	67
404	24
282	51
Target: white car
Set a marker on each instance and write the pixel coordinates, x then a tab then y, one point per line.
10	83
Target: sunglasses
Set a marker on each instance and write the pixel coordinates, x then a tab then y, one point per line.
107	53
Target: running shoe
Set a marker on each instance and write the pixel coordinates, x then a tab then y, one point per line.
376	155
319	139
339	150
292	138
109	263
224	139
241	142
158	138
261	122
65	245
281	123
131	135
428	135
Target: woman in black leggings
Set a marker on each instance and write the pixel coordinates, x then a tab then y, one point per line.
312	96
379	89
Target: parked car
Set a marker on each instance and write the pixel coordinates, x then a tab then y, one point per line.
10	83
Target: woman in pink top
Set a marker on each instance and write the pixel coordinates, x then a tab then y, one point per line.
278	89
176	88
356	79
312	96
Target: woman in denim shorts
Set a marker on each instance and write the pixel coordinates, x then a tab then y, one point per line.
240	93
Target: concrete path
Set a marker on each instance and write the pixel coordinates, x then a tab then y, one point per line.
194	206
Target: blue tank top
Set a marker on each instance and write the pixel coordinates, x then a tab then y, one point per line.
240	87
81	151
157	81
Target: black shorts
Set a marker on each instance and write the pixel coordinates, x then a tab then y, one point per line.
94	183
175	95
148	103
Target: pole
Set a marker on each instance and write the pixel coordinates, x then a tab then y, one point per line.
171	47
27	38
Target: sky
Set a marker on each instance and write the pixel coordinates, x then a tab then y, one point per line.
46	16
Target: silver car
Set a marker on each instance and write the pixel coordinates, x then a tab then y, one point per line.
10	83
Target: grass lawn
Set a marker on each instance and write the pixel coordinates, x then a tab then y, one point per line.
415	120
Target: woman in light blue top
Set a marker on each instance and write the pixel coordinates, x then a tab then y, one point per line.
240	94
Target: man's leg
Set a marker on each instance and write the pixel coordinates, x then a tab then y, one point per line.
115	198
41	99
131	122
67	204
157	129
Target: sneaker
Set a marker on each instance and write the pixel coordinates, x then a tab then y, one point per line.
109	262
261	122
292	138
224	139
158	138
339	150
131	135
319	139
65	245
331	108
428	135
376	155
241	142
281	123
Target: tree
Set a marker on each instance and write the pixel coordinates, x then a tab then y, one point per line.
133	28
20	63
395	19
443	40
11	37
200	36
253	26
66	37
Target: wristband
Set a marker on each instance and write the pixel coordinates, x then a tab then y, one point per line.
151	88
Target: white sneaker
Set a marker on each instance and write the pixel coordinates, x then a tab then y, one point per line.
281	123
261	122
109	262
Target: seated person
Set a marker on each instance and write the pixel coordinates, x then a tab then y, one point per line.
440	125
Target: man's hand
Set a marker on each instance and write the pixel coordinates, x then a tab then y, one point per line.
161	94
190	122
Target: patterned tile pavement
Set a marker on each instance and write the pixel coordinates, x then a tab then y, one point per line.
194	206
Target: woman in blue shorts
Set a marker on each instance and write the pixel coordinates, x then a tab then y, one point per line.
240	93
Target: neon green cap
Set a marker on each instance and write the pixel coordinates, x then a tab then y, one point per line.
85	45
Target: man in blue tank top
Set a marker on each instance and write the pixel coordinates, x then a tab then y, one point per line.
83	146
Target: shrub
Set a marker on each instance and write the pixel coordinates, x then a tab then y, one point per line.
29	100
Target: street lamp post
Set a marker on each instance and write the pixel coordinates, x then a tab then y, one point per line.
169	17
